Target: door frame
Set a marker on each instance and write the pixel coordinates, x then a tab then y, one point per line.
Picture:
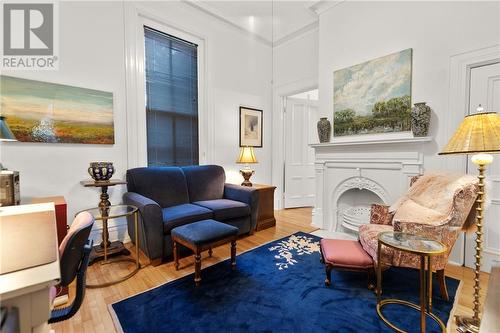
458	106
278	137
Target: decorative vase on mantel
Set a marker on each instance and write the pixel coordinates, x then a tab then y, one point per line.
324	130
420	119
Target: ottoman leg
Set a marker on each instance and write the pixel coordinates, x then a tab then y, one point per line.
197	268
328	270
176	255
233	254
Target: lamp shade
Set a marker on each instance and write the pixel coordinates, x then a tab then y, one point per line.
478	133
5	132
246	155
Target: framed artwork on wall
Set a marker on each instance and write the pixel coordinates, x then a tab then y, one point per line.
250	127
373	97
38	111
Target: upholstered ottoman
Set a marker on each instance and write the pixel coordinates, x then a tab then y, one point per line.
201	236
346	255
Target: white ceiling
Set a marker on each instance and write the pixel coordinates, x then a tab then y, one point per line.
270	20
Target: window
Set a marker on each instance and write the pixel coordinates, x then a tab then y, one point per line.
171	99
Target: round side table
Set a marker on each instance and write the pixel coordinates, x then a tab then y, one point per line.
112	212
425	248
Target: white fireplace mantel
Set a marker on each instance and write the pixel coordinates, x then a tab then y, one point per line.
343	143
383	166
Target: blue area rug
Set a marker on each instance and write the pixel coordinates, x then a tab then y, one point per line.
277	287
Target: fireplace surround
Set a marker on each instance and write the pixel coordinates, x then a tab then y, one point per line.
350	176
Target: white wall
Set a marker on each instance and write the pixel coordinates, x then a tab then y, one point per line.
353	32
92	55
296	59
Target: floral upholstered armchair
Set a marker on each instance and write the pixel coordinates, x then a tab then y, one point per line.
437	205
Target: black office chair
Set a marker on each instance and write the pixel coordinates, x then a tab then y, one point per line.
74	254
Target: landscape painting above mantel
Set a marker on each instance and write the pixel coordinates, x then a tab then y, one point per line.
373	97
39	111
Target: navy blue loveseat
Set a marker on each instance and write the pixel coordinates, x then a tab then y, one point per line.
168	197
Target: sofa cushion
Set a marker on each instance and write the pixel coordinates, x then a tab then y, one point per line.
183	214
225	209
204	232
205	182
165	185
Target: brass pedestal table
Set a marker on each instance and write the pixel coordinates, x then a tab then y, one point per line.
425	248
113	212
113	248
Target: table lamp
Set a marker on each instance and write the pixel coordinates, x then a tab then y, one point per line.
478	134
5	134
246	157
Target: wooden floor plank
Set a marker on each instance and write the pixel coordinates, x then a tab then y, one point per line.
95	317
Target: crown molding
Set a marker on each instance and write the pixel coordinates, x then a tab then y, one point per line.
207	9
296	33
218	15
322	6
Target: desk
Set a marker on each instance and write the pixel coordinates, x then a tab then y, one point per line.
28	288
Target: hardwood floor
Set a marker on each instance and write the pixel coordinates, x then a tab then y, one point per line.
95	317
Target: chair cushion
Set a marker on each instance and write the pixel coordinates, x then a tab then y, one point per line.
225	209
368	238
345	253
205	182
182	214
204	232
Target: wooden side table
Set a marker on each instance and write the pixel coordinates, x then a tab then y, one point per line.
265	216
61	214
113	248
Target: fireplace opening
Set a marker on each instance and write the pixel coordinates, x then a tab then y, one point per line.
353	209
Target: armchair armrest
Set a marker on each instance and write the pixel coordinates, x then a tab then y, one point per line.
379	214
245	194
150	224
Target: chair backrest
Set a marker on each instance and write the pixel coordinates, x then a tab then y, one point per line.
437	198
71	250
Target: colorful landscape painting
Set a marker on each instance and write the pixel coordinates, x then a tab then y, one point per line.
39	111
373	97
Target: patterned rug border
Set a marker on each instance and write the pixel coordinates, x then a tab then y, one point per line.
119	329
112	312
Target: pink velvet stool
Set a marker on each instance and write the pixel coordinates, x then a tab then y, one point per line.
346	255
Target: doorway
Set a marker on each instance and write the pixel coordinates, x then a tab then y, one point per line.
299	131
484	93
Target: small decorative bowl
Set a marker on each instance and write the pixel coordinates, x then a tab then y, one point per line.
101	171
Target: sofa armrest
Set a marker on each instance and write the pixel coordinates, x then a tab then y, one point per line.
150	224
245	194
379	214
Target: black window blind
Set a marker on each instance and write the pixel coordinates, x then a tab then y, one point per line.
171	99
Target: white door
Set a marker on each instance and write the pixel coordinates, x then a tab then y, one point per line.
300	123
485	90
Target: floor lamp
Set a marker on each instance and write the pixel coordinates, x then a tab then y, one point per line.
478	134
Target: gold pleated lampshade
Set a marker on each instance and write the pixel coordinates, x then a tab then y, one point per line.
478	133
247	155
